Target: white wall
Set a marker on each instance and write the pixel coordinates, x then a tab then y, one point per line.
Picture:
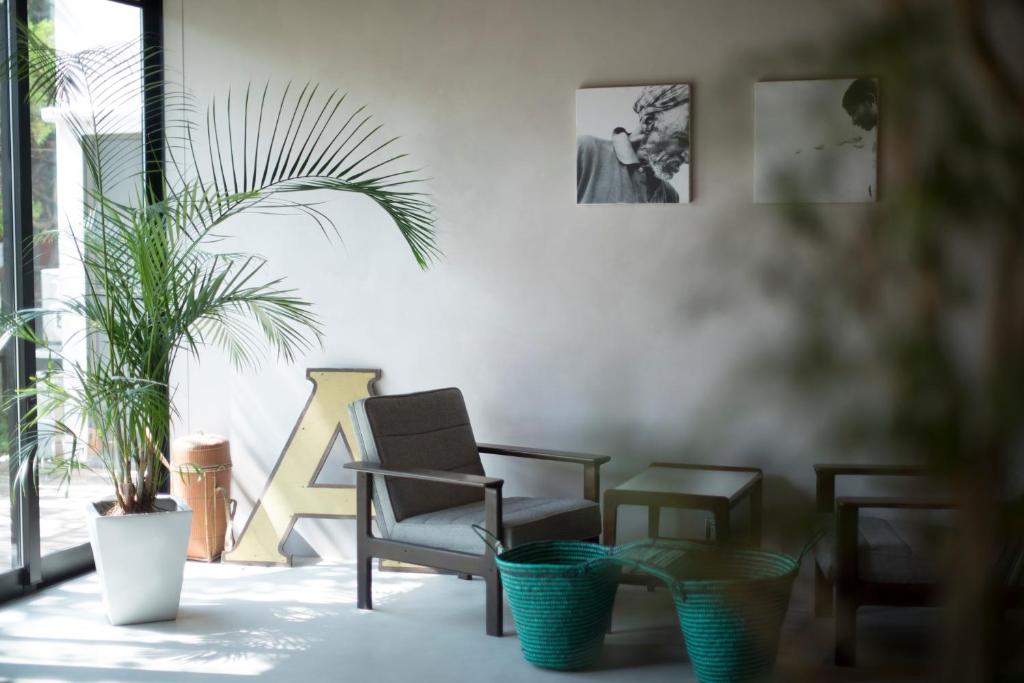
618	330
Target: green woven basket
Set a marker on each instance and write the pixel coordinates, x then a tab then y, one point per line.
561	595
731	604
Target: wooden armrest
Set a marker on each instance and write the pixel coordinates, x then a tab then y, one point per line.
364	513
538	454
709	468
591	463
438	476
864	470
894	503
826	473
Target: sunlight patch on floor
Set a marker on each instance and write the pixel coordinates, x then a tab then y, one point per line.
65	626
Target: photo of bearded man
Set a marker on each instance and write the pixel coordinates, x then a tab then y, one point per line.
648	163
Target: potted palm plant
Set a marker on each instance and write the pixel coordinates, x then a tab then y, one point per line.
159	283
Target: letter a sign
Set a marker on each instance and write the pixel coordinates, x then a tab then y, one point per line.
291	491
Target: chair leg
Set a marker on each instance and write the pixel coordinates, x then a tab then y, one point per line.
847	587
823	594
364	582
364	536
495	604
846	631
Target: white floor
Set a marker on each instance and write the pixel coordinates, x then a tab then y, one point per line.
301	624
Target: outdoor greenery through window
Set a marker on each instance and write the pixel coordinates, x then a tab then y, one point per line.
59	191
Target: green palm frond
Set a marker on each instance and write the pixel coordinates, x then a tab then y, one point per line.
158	280
313	145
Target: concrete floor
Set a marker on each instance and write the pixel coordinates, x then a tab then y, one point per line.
301	624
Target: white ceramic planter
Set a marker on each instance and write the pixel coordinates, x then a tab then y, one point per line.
140	560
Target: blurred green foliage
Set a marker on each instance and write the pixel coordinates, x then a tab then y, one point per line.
923	299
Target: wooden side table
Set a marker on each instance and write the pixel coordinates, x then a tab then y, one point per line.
715	488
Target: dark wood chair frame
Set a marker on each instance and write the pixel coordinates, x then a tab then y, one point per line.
369	546
849	591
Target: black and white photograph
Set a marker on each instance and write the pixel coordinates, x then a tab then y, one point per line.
633	145
815	141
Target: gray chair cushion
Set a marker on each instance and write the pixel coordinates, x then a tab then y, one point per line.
425	430
526	520
883	554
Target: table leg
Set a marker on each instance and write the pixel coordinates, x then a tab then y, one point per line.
755	503
723	531
611	513
653	521
653	531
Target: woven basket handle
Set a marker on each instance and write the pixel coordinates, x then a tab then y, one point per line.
232	505
817	536
647	557
492	541
647	568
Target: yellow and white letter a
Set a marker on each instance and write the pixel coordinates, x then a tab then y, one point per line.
291	491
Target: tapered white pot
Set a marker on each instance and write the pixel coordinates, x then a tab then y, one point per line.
140	560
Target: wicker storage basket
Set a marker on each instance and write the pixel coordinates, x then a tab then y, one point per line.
201	476
561	595
731	604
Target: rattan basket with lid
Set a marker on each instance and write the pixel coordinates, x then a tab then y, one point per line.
201	476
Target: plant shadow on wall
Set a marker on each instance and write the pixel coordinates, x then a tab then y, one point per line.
906	323
158	281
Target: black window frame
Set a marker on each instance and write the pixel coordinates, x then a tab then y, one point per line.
34	570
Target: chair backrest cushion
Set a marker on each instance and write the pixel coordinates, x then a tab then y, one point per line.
425	430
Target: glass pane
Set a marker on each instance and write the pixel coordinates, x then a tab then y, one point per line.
109	115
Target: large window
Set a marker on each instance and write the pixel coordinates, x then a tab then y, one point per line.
44	190
71	26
